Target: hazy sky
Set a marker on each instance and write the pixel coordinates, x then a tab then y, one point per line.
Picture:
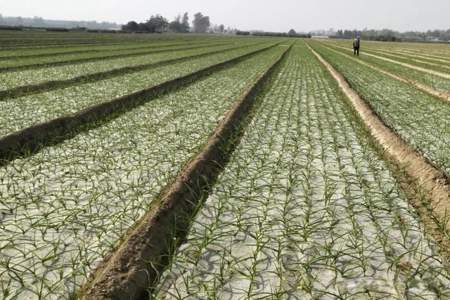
276	15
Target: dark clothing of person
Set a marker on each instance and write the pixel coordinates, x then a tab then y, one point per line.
356	44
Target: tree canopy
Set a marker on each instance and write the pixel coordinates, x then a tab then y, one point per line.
180	25
156	24
201	23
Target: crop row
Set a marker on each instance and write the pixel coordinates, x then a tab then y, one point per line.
445	64
17	79
171	58
85	52
424	49
421	55
427	52
41	40
30	110
440	67
422	60
36	63
43	52
411	64
20	43
419	118
305	209
127	45
67	206
17	39
146	248
438	83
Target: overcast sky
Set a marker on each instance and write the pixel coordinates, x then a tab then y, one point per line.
275	15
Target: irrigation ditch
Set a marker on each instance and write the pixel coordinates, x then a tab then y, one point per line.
427	187
30	140
136	264
27	90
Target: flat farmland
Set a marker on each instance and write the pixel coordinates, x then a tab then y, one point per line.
222	167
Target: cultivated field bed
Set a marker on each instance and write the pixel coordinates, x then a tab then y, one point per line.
305	209
73	99
37	62
16	79
65	51
263	180
432	50
22	40
436	82
421	119
78	198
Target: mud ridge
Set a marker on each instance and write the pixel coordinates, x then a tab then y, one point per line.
32	139
136	264
27	90
427	187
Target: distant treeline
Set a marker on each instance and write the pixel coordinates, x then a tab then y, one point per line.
56	29
19	22
159	24
395	36
290	33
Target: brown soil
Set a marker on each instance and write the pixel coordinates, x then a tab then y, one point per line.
427	187
418	85
136	264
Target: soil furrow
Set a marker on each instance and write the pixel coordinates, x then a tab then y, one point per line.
137	263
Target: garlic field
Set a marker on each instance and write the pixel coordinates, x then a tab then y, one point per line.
207	167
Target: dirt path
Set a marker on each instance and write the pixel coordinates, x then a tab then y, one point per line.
423	87
426	181
440	74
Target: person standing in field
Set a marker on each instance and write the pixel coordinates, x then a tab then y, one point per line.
356	44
